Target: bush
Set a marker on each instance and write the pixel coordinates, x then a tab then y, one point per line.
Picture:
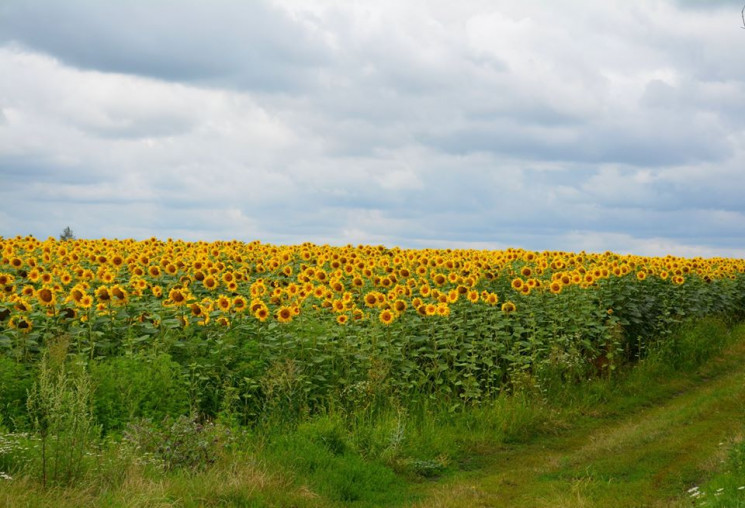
15	381
183	443
59	405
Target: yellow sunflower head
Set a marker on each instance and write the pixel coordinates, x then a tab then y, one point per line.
285	314
508	307
46	297
386	317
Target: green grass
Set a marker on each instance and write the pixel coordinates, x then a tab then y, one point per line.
726	488
642	440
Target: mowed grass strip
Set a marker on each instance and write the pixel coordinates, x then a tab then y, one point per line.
662	433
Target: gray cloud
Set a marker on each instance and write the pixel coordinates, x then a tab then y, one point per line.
245	44
415	124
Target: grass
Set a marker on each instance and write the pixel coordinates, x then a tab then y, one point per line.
643	440
726	488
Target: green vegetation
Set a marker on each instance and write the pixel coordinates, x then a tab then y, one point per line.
194	374
646	435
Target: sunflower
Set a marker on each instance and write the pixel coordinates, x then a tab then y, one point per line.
386	317
68	313
154	271
46	296
285	314
256	304
338	305
443	310
103	295
21	323
178	297
210	282
641	275
119	295
371	299
517	284
86	302
196	310
223	303
262	313
22	305
526	271
555	287
492	299
342	319
473	296
399	306
239	303
157	291
508	307
292	289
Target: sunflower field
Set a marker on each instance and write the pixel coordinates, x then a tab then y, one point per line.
254	330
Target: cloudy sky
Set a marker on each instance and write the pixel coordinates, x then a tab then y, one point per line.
615	125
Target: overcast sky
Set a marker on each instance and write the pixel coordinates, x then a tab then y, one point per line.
615	125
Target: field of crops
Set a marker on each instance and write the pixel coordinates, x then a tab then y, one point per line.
251	329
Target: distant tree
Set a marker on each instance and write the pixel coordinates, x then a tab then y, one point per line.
67	234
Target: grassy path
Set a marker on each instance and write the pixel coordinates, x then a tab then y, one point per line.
640	449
